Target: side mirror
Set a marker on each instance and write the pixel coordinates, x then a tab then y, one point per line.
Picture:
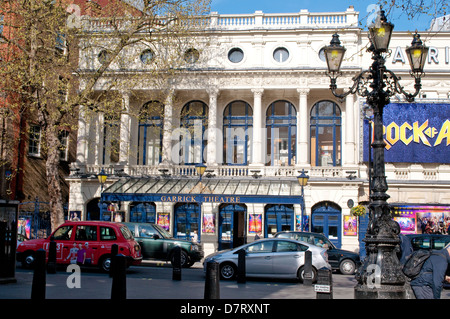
156	236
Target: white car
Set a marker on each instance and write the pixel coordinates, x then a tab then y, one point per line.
271	258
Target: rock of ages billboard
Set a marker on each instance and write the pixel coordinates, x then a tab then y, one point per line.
414	133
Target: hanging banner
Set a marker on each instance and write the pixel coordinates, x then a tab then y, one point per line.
414	133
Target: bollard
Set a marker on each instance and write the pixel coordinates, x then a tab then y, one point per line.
176	263
307	272
119	278
212	282
241	278
51	263
114	252
39	280
324	286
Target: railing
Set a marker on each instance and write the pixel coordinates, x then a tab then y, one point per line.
257	20
392	173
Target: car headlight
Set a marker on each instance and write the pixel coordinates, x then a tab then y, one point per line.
194	247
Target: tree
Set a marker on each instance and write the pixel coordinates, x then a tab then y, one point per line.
40	66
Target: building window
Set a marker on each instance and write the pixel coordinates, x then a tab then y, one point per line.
281	55
194	122
64	145
34	141
191	55
147	56
111	139
322	55
237	133
281	124
325	134
103	56
235	55
150	133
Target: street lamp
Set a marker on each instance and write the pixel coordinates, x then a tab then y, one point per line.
200	169
303	180
380	276
102	177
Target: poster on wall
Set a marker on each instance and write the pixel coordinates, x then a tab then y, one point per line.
414	133
255	223
417	219
209	223
164	220
298	223
350	226
24	227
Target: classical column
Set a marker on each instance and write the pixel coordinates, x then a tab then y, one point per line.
99	137
82	136
212	149
166	156
257	156
350	146
125	125
302	127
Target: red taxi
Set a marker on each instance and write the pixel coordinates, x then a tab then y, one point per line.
87	243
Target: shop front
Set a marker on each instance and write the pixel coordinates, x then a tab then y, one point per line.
227	212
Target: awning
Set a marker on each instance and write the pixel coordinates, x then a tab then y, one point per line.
208	190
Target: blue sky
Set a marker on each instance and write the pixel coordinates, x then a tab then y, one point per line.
400	20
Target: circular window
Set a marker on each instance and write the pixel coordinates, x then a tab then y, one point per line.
191	56
322	55
281	54
147	56
103	56
236	55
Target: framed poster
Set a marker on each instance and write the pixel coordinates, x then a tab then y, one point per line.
209	223
164	220
350	226
255	223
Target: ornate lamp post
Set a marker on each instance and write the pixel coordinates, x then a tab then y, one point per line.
303	180
380	276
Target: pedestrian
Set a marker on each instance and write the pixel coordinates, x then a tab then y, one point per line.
405	248
428	284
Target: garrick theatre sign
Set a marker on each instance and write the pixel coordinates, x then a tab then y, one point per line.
214	190
434	55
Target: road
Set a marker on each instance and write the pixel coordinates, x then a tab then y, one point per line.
154	281
152	284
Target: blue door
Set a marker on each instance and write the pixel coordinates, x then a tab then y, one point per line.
187	221
143	213
326	219
231	226
278	218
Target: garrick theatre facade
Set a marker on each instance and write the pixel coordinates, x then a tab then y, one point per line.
256	115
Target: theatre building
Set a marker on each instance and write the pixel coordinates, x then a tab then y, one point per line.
256	110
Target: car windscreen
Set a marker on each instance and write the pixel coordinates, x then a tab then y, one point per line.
162	231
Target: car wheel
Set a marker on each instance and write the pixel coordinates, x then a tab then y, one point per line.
184	259
105	263
347	267
301	274
28	260
228	271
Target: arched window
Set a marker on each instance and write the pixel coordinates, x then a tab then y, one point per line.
281	124
237	133
150	133
325	135
194	122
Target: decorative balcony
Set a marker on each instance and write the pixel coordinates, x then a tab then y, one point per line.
257	20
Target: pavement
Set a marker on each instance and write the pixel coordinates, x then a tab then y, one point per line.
153	284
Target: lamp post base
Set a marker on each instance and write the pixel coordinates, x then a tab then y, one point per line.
381	292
